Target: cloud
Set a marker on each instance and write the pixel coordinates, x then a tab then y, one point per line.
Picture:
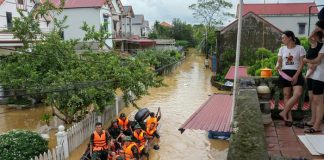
166	10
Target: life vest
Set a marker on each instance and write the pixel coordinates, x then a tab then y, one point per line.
123	124
128	151
150	131
99	142
140	137
151	120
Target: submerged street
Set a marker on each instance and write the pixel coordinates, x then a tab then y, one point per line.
187	88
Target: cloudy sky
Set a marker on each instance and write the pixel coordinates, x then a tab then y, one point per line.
166	10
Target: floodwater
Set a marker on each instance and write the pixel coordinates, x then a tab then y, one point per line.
188	88
28	119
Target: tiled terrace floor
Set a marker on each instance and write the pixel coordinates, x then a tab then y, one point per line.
283	141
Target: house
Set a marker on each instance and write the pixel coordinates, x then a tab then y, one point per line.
8	11
286	16
94	13
165	24
256	33
139	26
127	21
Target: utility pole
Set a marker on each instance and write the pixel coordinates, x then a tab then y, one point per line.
206	42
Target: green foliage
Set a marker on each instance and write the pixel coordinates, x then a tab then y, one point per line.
304	42
20	144
269	60
160	32
46	118
71	82
20	101
98	36
159	58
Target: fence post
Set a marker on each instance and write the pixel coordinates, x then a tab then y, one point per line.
117	101
61	137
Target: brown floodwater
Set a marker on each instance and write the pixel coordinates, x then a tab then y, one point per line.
187	89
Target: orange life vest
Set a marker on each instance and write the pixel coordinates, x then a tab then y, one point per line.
150	131
128	151
140	137
151	120
123	124
99	142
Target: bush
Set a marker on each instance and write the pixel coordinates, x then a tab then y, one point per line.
21	144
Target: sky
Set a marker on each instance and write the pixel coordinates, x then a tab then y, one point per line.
166	10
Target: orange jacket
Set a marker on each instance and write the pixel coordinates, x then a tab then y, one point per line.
99	142
128	151
151	120
150	131
123	124
140	137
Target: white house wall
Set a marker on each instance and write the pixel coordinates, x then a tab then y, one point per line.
11	6
291	23
136	30
75	19
105	10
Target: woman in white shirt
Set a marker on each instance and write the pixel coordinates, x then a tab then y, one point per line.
315	84
290	64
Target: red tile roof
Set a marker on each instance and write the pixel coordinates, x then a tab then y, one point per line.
81	3
1	1
242	72
165	24
279	8
214	115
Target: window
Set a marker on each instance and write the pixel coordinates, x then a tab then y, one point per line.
301	28
21	2
9	20
105	20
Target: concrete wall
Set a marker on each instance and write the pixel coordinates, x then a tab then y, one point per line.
11	6
290	22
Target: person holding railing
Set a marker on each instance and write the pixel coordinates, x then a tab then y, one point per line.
290	64
315	84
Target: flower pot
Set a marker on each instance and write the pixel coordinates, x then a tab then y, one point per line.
266	73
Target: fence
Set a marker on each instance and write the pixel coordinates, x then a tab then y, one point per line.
56	154
167	69
76	135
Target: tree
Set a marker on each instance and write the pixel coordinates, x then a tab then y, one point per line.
20	144
182	32
211	13
72	84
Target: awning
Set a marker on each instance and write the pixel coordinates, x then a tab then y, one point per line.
241	72
214	115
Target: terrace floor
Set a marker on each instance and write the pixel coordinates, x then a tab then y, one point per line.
283	141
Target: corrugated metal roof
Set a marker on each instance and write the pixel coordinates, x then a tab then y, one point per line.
214	115
279	8
242	72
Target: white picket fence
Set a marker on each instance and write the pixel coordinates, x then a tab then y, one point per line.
81	131
56	154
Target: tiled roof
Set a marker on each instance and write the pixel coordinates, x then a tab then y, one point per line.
242	72
234	23
165	24
214	115
1	1
81	3
279	8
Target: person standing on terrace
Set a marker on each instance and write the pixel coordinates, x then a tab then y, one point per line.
315	84
289	65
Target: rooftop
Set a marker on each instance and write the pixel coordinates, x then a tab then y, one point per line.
279	8
242	72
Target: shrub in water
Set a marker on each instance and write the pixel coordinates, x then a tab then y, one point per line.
21	144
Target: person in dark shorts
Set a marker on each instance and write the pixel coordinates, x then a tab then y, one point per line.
290	62
315	84
316	44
